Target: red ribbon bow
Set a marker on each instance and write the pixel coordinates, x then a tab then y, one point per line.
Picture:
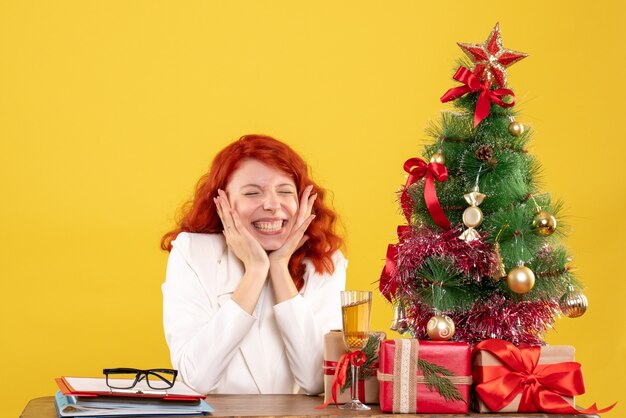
356	358
387	284
542	385
418	168
473	84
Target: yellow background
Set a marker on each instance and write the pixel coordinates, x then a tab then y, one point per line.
111	110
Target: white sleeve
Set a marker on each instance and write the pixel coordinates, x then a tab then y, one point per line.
304	319
201	336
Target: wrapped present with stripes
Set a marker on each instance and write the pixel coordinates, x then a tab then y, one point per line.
424	376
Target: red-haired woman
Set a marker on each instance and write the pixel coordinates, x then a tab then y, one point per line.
254	275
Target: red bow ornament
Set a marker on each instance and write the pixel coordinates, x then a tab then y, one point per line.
356	358
541	386
417	169
472	84
388	284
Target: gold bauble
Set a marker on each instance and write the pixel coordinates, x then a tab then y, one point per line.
573	303
440	328
472	217
544	223
516	128
438	158
520	279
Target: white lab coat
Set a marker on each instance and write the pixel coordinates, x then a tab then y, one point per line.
219	348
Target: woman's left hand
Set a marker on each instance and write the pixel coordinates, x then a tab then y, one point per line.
296	237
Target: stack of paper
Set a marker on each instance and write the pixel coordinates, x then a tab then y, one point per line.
91	397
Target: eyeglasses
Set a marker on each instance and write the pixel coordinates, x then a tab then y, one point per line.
127	378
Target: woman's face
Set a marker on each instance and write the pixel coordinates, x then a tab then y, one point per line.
266	200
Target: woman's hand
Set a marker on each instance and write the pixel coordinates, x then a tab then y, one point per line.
248	250
296	237
283	286
238	238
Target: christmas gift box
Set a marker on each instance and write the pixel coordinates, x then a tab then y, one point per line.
334	349
530	379
424	376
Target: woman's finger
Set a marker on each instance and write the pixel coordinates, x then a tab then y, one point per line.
219	209
312	200
304	239
237	228
295	238
303	209
308	208
307	222
299	232
220	212
305	195
227	219
237	222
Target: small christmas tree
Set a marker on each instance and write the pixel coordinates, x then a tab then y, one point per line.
480	256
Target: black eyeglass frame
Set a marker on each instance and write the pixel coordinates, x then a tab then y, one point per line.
141	375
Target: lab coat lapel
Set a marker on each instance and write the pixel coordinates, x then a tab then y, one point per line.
211	267
252	347
253	352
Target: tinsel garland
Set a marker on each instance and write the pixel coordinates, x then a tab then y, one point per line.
474	259
494	316
519	322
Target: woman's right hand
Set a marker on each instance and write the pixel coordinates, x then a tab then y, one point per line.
238	238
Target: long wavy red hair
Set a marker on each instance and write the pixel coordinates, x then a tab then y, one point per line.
200	213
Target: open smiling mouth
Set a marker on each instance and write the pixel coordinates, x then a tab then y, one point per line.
269	227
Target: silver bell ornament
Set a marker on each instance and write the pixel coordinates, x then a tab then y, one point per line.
400	324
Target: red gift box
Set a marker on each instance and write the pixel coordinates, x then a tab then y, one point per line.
403	388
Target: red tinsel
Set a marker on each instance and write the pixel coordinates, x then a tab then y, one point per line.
474	259
518	321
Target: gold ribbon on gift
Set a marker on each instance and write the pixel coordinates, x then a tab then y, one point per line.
405	378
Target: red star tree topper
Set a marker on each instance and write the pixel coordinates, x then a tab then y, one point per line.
491	58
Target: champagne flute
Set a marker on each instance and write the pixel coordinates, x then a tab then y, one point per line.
355	307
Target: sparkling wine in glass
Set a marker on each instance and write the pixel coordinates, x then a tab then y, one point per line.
355	307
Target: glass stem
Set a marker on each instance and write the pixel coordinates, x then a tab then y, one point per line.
355	386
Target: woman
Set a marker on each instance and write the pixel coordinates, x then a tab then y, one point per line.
254	275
